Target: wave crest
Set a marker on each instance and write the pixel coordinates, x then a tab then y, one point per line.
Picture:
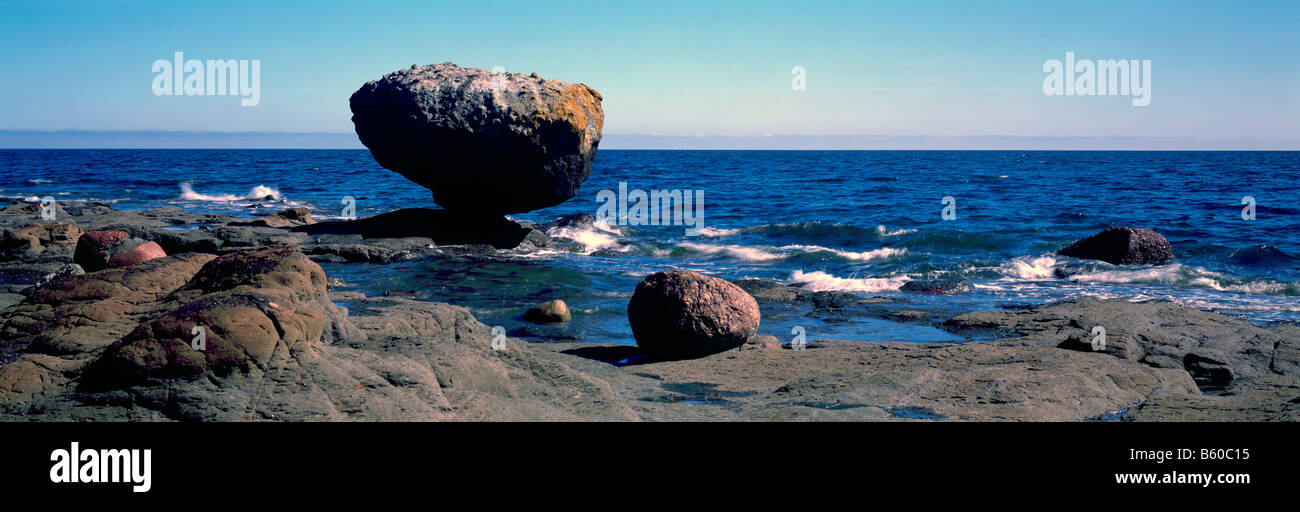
821	281
258	193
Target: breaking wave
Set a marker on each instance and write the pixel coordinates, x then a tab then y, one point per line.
821	281
768	253
258	193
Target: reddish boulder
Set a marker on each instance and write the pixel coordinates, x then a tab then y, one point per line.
138	254
98	250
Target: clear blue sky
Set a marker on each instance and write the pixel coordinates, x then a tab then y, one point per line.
1221	70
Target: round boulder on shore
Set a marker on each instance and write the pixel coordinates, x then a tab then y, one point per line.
677	314
1123	245
98	250
482	141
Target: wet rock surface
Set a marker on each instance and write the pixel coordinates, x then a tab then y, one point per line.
1123	245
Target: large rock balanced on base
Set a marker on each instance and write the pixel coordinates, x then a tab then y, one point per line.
676	314
494	143
1123	245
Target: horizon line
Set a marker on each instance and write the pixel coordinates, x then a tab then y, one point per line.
209	139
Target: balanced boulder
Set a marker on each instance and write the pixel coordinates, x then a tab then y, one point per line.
1123	246
482	141
677	314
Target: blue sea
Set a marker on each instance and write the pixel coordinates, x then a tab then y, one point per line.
858	221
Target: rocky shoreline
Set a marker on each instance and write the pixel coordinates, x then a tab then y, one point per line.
116	345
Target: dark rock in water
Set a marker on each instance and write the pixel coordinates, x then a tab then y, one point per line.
445	227
1262	255
1123	246
534	239
1210	374
1068	269
575	220
833	300
937	287
550	312
297	216
375	250
474	250
911	315
767	291
481	141
676	314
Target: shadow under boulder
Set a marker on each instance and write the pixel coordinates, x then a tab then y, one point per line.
445	227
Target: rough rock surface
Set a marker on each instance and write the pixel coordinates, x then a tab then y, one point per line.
247	304
1027	376
938	286
296	216
486	142
1123	246
34	238
677	314
277	349
394	236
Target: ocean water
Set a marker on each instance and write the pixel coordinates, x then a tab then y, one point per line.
858	221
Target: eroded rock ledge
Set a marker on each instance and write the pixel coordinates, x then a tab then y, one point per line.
118	345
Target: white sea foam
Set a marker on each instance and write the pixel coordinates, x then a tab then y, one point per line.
884	252
886	232
768	253
599	235
740	252
1029	268
717	232
821	281
258	193
1185	275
